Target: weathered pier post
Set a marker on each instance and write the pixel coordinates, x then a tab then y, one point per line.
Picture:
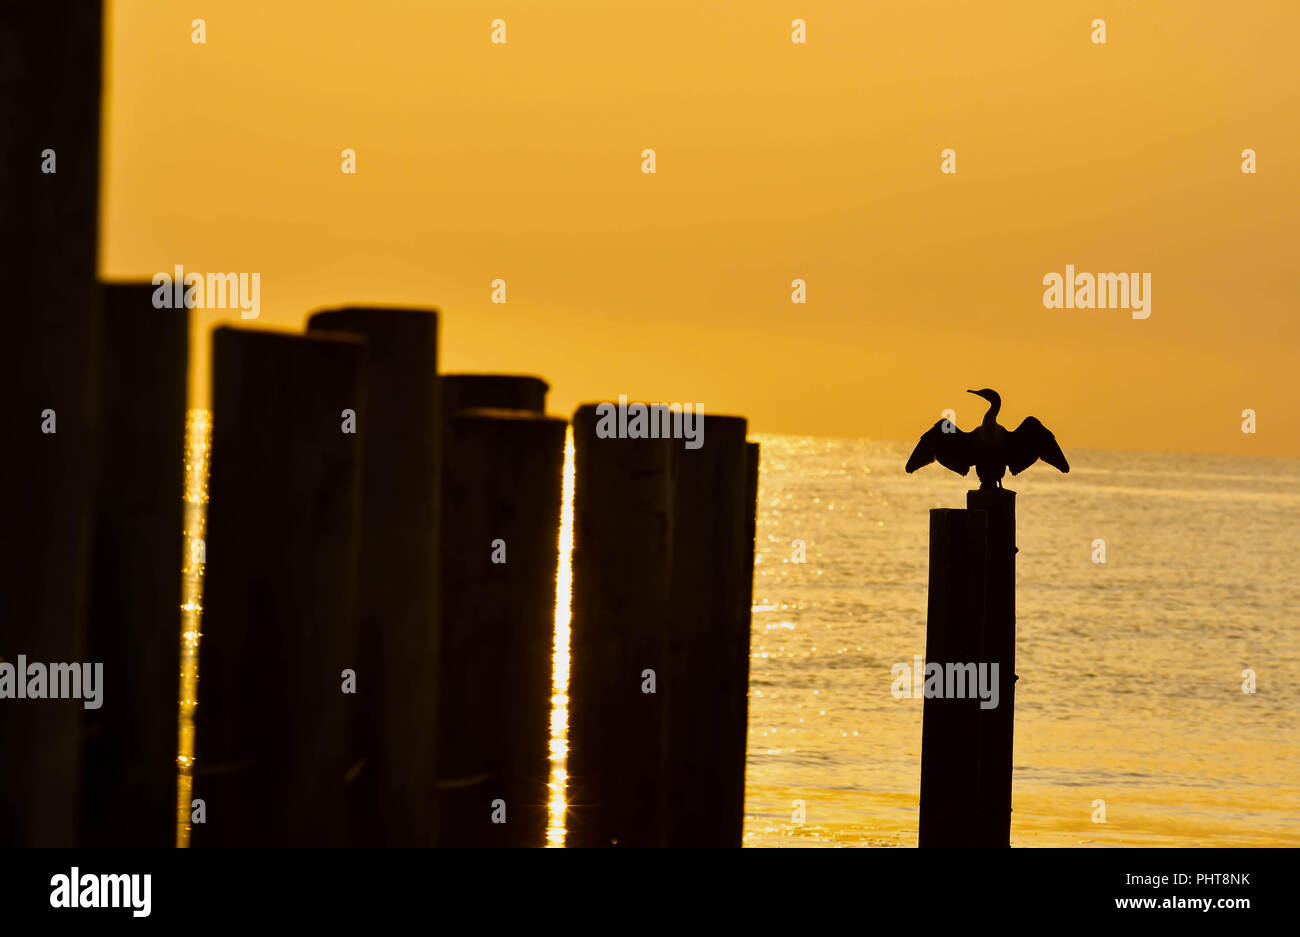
950	739
999	646
622	601
494	391
130	769
49	186
708	667
501	488
392	794
280	617
740	739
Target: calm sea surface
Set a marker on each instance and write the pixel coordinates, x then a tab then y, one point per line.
1130	685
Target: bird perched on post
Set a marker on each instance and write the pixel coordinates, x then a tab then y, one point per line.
990	447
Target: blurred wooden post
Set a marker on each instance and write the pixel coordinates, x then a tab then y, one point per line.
130	770
49	112
622	568
950	750
997	725
741	736
707	691
493	391
502	487
280	617
392	796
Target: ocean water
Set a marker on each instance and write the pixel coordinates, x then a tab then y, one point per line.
1130	671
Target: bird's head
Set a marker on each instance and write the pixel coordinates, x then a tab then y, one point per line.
990	395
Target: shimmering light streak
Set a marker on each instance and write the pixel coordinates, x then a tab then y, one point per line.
198	434
560	656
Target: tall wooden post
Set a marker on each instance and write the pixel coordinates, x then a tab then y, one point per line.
950	737
739	755
280	616
130	781
49	186
622	576
709	645
999	646
392	796
502	486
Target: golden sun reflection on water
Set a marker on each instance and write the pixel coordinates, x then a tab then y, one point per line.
198	435
560	656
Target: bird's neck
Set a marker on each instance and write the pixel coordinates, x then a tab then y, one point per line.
991	417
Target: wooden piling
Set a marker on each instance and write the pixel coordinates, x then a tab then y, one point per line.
494	391
707	686
739	737
130	758
950	751
49	108
999	646
622	576
502	487
392	794
280	618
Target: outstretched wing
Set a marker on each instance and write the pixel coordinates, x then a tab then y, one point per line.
951	449
1031	441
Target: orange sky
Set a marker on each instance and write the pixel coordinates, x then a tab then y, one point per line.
774	161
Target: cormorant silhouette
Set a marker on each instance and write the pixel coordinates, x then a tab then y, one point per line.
991	448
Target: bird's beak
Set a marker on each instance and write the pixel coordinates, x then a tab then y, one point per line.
975	392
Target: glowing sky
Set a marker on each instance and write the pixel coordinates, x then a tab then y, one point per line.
774	161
